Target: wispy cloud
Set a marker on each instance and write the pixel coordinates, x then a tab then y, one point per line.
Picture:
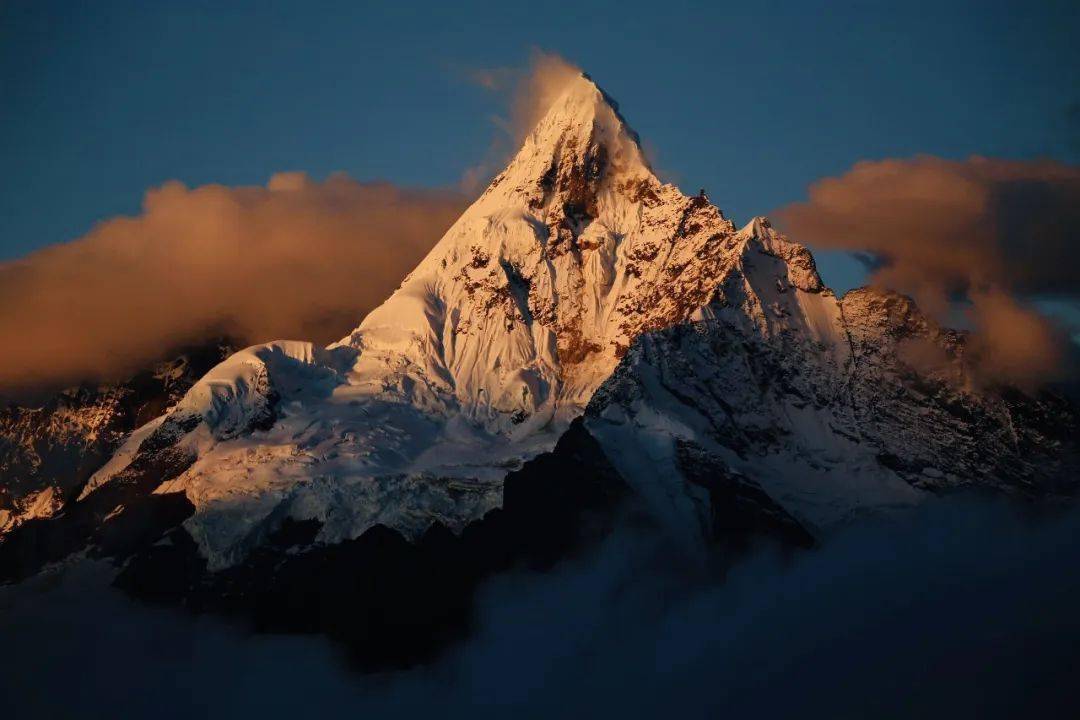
528	93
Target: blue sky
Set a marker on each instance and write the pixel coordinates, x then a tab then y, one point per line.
752	100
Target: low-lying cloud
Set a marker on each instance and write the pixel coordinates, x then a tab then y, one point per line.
993	234
960	608
296	259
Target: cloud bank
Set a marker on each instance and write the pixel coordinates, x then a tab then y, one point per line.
959	608
995	234
295	259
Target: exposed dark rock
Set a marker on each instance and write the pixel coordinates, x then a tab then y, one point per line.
59	443
394	603
115	519
740	512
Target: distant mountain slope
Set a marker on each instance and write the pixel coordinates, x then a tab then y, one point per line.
50	449
831	406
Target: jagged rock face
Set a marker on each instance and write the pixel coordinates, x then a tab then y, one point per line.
48	451
729	388
936	426
735	510
832	406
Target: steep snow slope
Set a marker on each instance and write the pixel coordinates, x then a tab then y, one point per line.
727	373
523	308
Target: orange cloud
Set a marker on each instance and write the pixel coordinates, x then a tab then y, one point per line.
1015	343
995	233
294	259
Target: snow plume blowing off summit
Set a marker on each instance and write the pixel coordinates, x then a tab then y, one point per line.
528	94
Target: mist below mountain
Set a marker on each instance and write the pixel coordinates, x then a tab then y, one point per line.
963	607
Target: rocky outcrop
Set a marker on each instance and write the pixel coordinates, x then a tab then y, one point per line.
48	451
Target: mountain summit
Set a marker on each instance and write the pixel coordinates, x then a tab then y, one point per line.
581	320
526	304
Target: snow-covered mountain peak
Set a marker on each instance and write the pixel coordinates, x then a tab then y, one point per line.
529	300
582	132
801	268
758	227
576	279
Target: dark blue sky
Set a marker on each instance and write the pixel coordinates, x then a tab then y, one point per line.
752	100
